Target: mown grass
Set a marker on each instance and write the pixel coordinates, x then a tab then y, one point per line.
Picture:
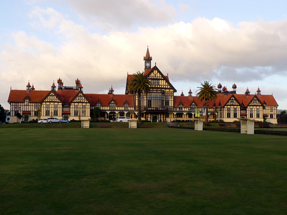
78	125
141	171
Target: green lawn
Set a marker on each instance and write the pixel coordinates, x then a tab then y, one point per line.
141	171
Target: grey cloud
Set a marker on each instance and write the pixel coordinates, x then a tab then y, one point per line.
124	14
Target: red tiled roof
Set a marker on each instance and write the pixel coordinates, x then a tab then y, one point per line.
66	96
105	99
147	71
35	96
222	99
186	101
268	99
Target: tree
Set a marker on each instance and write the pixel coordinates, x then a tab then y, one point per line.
139	84
206	92
282	117
96	112
2	114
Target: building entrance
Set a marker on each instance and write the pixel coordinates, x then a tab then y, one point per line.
154	118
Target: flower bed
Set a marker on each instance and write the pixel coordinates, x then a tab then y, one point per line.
104	126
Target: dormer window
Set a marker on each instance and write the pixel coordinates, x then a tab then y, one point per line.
126	105
192	107
26	101
180	107
112	105
98	104
232	101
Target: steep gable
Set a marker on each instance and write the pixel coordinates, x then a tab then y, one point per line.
158	80
80	98
52	97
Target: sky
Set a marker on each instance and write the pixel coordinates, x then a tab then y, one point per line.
100	42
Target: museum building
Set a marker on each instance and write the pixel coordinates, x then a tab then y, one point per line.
158	105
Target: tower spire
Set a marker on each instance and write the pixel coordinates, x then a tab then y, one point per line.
147	60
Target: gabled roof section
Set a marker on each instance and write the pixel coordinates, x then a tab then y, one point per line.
268	99
66	96
18	96
165	77
105	99
52	92
186	101
79	92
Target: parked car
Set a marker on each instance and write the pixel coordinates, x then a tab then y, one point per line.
53	120
42	121
123	119
64	121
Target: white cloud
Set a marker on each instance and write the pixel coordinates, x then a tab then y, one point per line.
197	51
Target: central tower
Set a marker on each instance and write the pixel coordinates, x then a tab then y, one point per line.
147	60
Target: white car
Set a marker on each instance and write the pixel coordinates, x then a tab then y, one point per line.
42	121
123	119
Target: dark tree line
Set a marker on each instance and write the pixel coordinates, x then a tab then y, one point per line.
282	117
2	114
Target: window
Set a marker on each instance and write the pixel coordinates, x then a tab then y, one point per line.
251	112
149	103
47	112
232	100
179	115
55	110
189	115
98	104
167	101
76	112
180	107
257	113
228	112
192	108
255	101
271	116
122	114
126	105
36	113
220	112
26	101
112	105
271	109
154	82
84	110
235	113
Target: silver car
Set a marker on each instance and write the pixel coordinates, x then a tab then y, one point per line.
52	120
42	121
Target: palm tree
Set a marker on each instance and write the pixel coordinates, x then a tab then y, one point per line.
139	84
206	92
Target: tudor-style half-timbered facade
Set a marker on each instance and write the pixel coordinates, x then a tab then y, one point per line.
159	104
